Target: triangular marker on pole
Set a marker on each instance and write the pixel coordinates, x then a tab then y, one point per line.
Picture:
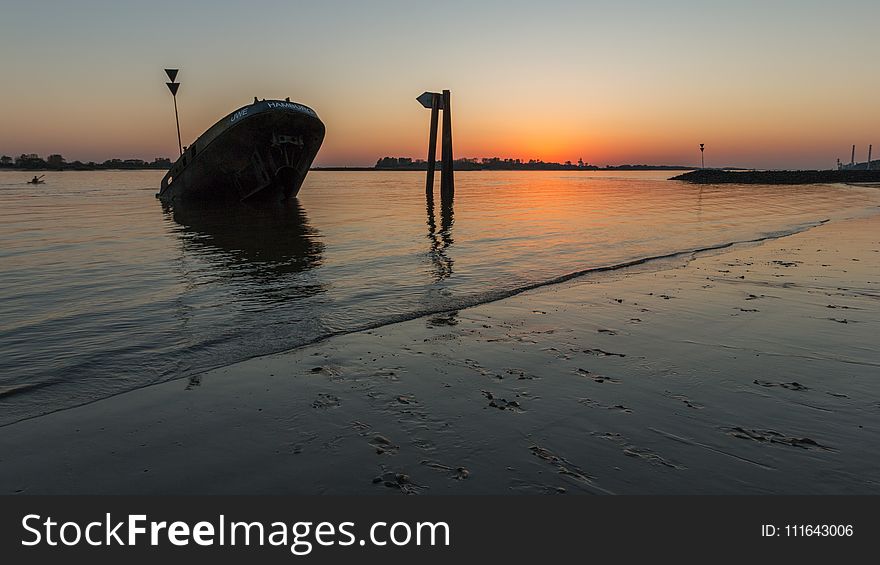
173	86
172	74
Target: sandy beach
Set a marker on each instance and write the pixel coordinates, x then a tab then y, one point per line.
749	370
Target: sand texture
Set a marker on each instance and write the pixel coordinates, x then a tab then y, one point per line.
750	370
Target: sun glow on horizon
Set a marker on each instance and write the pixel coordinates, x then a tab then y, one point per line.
762	85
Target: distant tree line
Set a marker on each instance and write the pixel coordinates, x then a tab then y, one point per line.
55	162
486	163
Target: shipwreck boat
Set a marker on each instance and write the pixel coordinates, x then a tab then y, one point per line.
259	152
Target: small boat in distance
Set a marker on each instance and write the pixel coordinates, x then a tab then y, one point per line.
260	152
37	180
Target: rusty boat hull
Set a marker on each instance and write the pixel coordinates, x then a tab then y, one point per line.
259	153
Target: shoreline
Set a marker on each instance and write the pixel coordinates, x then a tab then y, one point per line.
636	263
719	176
554	388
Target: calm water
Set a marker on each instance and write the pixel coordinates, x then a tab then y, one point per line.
102	290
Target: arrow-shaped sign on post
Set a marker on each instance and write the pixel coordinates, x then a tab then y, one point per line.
172	74
173	86
427	99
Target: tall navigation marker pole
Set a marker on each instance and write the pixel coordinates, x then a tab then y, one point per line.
702	160
173	86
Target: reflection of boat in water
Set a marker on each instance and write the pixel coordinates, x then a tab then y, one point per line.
245	280
260	152
271	239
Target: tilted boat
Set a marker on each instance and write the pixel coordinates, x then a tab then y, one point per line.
262	151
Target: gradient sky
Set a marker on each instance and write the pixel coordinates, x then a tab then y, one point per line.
762	83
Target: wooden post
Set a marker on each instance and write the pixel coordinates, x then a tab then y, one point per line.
432	143
447	184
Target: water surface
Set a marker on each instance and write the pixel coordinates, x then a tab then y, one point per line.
104	290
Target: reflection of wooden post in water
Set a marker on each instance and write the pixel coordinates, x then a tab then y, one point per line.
432	224
447	218
440	242
447	183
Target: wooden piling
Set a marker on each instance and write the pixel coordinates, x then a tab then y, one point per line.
447	183
432	143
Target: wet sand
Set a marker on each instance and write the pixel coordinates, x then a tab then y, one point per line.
750	370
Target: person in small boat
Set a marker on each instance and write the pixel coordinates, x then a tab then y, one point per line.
35	180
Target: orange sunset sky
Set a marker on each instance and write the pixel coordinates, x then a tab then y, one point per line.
764	84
